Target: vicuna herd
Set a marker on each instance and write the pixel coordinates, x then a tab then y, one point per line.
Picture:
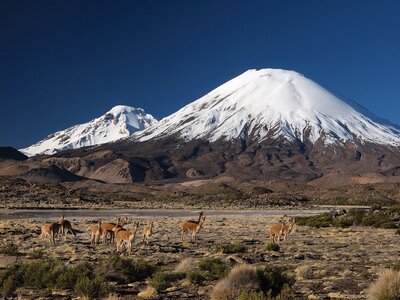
109	232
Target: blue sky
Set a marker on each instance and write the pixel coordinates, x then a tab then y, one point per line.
66	62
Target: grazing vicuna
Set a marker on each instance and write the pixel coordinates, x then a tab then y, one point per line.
123	236
66	226
192	227
147	232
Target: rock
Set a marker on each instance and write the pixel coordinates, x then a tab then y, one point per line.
192	173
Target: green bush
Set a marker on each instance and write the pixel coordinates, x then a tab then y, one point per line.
343	222
315	221
230	248
273	279
196	276
162	280
92	288
124	270
271	247
215	266
396	267
10	249
51	275
246	295
36	254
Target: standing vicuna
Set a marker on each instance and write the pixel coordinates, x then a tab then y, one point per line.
192	227
66	226
123	236
277	230
96	233
108	229
147	232
50	230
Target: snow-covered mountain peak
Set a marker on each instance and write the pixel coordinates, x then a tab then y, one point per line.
119	122
271	103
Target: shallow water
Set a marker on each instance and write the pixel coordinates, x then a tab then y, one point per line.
11	214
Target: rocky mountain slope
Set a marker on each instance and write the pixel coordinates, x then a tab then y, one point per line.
262	125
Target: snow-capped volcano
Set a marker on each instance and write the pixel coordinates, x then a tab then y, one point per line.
120	122
274	103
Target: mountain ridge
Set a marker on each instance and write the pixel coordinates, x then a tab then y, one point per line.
119	122
259	101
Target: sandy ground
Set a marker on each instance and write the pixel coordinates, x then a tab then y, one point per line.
342	262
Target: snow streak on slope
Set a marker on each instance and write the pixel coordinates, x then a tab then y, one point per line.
120	122
270	102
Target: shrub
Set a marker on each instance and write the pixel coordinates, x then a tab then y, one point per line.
36	254
273	280
387	286
215	266
343	222
230	248
162	280
252	296
396	267
241	279
304	272
315	221
50	274
196	276
10	249
247	282
91	288
125	270
271	247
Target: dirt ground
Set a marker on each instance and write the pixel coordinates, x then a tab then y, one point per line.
340	263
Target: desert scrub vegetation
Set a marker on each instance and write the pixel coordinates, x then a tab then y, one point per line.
304	272
125	270
87	280
271	247
231	248
387	218
215	268
247	282
53	275
196	276
162	280
10	249
386	287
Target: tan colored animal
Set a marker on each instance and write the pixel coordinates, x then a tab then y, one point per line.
192	227
66	226
147	232
96	233
108	230
123	236
283	228
50	231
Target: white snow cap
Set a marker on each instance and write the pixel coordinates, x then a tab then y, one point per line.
279	101
119	122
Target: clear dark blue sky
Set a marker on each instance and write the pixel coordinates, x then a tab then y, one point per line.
66	62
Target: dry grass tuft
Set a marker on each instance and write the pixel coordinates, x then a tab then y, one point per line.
242	278
304	272
387	286
185	265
